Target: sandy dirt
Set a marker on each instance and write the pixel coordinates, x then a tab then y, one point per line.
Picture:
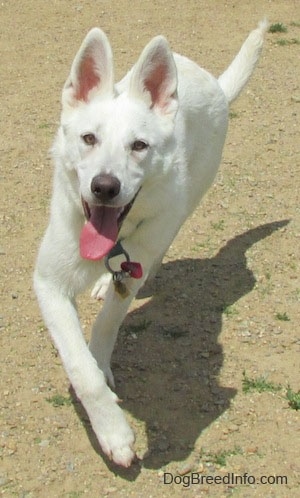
226	300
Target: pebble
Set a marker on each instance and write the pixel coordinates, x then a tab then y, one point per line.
246	339
44	443
251	450
233	428
61	423
3	479
11	447
186	468
220	401
110	490
70	466
163	445
205	355
246	333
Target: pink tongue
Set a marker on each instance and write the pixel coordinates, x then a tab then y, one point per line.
100	233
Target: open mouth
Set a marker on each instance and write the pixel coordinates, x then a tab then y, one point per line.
100	232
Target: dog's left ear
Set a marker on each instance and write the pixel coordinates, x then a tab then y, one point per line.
154	77
91	71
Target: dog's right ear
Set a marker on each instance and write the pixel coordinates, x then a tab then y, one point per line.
91	72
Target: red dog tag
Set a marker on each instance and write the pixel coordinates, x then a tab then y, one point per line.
135	270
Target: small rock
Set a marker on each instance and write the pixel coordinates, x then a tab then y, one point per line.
11	447
233	428
220	401
186	468
70	467
44	443
205	354
110	490
163	445
61	423
246	333
210	467
224	437
251	450
3	479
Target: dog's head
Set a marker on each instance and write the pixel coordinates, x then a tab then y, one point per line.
112	136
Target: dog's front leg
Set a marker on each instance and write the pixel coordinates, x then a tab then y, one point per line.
106	327
143	247
107	419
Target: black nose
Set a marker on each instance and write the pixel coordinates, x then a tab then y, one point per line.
105	187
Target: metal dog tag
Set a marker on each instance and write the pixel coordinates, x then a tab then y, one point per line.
128	269
121	289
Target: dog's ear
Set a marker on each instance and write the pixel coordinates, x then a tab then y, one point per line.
154	77
91	71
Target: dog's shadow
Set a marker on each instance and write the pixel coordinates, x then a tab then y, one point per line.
167	359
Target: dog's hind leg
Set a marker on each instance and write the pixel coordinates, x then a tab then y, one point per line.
101	286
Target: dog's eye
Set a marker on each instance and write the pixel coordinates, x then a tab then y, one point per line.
89	138
139	145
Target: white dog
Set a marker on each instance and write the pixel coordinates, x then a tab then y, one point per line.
132	162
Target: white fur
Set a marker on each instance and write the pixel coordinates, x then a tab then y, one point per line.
181	111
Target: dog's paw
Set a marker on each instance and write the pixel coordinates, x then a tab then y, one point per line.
115	436
124	456
101	286
109	423
120	449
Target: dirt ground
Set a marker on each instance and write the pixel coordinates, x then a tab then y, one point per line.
226	300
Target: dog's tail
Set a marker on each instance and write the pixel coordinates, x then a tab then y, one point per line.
233	80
